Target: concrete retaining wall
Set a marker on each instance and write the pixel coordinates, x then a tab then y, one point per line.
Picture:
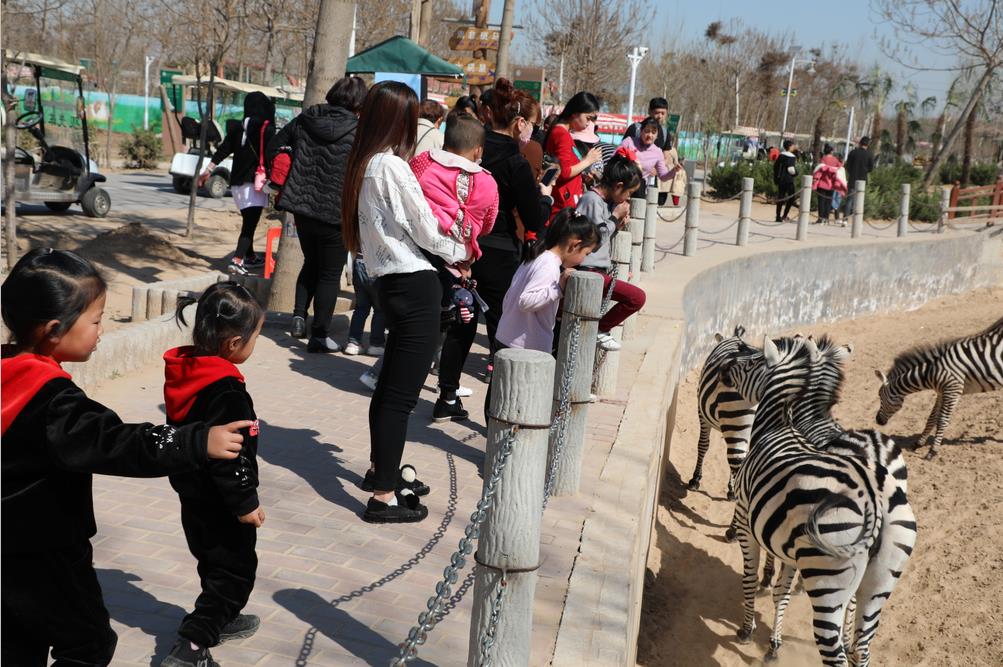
764	291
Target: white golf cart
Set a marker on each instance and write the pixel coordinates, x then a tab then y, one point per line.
226	93
57	174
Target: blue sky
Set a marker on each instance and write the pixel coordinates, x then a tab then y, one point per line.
850	22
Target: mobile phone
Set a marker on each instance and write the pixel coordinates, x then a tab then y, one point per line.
550	175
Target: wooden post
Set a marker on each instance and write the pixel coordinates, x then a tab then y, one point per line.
139	304
945	204
650	231
582	300
621	257
154	303
170	302
636	229
955	193
282	294
858	209
745	211
609	367
692	218
903	227
804	212
510	536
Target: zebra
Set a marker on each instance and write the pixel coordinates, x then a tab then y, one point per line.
963	366
828	514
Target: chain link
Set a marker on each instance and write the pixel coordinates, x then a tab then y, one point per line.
497	602
681	214
560	423
881	228
438	605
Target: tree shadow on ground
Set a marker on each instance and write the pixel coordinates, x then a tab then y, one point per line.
132	606
337	625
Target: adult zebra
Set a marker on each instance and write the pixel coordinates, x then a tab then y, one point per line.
966	365
821	512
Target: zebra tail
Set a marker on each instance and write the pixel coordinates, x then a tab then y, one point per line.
864	540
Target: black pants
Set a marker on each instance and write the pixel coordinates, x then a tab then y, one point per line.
493	273
411	308
227	562
455	348
824	203
319	281
53	599
249	222
785	198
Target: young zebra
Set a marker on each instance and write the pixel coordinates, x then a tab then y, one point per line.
820	512
967	365
720	408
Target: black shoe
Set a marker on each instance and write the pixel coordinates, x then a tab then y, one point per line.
254	261
241	627
325	345
407	510
182	655
444	412
408	480
298	328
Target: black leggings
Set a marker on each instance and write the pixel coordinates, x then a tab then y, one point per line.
319	280
784	190
459	339
493	272
411	307
249	222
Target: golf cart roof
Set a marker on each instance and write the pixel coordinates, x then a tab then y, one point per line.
47	62
237	86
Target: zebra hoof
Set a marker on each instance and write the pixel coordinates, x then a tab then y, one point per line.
745	635
694	484
764	589
730	535
930	455
774	653
732	497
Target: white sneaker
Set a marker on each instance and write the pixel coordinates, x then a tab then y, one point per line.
369	380
352	348
323	345
607	342
374	351
463	392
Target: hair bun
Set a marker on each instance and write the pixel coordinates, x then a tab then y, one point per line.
504	86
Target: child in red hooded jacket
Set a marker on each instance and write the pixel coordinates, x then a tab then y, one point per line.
219	506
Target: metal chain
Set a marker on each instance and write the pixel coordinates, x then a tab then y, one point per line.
719	231
681	214
560	423
488	639
881	228
715	201
437	604
770	224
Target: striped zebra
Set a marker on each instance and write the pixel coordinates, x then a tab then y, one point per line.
821	512
722	409
966	365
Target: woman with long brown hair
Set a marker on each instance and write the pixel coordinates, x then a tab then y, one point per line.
385	215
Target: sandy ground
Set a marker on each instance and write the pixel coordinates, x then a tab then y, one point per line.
132	249
946	608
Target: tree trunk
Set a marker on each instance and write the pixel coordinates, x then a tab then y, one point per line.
980	88
508	17
111	123
900	134
876	132
816	138
938	139
203	132
966	163
10	143
425	29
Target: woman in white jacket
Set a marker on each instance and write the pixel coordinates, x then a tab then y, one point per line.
385	215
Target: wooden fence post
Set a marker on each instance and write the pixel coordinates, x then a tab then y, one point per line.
858	209
903	227
609	367
745	211
804	212
945	205
650	231
510	535
692	231
636	229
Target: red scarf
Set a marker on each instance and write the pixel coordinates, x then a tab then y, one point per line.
21	377
186	375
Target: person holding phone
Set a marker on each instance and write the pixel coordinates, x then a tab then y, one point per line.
575	117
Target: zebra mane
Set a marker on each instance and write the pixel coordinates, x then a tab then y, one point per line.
827	347
925	353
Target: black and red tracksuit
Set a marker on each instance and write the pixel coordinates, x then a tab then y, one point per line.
54	439
210	389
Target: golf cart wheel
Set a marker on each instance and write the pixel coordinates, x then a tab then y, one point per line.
96	202
216	186
182	184
57	206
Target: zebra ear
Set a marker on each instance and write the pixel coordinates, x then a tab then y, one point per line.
739	331
813	352
771	352
881	376
718	337
849	349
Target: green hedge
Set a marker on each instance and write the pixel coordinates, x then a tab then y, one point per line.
980	174
141	149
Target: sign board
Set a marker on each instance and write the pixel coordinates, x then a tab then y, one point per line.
783	92
672	124
479	72
529	79
166	76
533	88
471	38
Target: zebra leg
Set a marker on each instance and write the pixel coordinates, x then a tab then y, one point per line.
829	597
731	488
781	598
736	439
931	421
702	445
769	569
750	581
848	640
949	400
732	532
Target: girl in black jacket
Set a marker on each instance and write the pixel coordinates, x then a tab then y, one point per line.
54	439
320	140
219	505
784	173
246	143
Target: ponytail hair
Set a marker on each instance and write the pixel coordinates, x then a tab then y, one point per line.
566	225
621	169
224	310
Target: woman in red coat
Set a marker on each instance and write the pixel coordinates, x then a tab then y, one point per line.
826	180
577	113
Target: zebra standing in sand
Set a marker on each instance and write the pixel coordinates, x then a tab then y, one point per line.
823	513
966	365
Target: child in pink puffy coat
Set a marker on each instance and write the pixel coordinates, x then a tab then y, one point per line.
826	181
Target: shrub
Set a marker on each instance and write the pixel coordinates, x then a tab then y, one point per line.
726	180
141	149
980	174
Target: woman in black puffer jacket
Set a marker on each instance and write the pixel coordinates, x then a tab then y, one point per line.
320	140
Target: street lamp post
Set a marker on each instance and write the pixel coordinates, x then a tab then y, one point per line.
148	60
635	57
790	83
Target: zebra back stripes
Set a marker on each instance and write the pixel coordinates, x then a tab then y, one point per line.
967	365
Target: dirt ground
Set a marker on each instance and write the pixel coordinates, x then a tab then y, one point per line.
946	608
132	249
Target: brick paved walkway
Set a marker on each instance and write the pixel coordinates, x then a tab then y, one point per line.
318	561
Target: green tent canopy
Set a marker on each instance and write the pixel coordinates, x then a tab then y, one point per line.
400	54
